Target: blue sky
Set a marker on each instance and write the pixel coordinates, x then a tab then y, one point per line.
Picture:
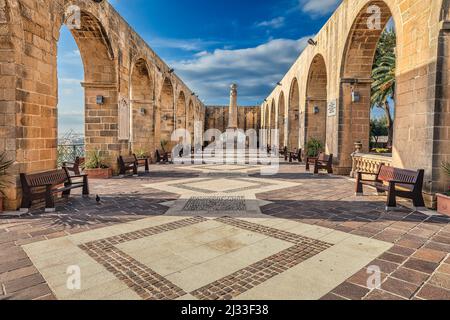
210	43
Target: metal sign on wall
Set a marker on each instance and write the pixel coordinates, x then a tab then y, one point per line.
332	108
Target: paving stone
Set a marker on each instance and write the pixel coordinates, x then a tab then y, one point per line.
399	287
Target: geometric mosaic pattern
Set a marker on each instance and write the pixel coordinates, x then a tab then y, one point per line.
149	285
210	204
236	181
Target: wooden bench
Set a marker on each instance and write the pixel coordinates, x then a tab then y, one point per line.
397	183
128	163
44	186
295	156
143	162
322	162
162	158
74	167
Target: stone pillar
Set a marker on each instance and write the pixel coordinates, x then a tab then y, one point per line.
233	111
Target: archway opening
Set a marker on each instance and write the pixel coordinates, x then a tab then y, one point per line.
357	81
294	116
281	120
316	103
142	109
100	127
191	119
167	120
382	116
273	124
70	109
181	111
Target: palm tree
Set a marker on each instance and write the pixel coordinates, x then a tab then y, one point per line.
383	75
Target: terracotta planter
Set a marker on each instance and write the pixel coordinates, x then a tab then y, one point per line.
443	204
99	173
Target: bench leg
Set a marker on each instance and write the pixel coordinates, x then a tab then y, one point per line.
26	203
307	165
391	200
147	168
419	202
85	186
359	187
316	168
330	170
49	201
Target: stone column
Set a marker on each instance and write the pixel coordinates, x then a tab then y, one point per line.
233	111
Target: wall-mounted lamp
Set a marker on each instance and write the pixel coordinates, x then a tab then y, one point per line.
165	117
193	94
311	42
265	100
100	100
143	112
279	84
316	110
356	97
171	70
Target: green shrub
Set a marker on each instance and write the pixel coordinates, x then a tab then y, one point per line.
313	147
95	161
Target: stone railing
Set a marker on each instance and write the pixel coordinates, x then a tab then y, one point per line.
369	162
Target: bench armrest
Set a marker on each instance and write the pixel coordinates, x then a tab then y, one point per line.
79	176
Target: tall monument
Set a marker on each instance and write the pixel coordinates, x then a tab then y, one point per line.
233	111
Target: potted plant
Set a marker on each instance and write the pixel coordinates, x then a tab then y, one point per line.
313	148
444	198
140	154
96	167
5	164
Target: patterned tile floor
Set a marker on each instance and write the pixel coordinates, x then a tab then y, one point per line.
301	237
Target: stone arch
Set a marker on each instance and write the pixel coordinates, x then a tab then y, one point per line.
272	122
165	113
316	101
190	118
181	111
141	100
356	73
282	119
294	115
102	130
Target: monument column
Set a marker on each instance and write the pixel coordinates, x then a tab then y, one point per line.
233	110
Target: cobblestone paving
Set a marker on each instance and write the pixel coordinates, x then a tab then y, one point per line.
417	266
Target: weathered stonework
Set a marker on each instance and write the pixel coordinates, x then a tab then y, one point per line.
341	61
118	65
216	117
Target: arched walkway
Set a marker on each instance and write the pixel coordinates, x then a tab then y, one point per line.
142	108
282	120
165	117
294	116
316	101
181	111
356	74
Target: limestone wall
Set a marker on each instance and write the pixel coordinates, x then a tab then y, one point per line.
347	44
134	115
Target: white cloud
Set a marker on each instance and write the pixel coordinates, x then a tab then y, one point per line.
319	7
256	70
275	23
183	44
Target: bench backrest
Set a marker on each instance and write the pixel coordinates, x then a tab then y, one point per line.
54	177
325	157
128	159
387	174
